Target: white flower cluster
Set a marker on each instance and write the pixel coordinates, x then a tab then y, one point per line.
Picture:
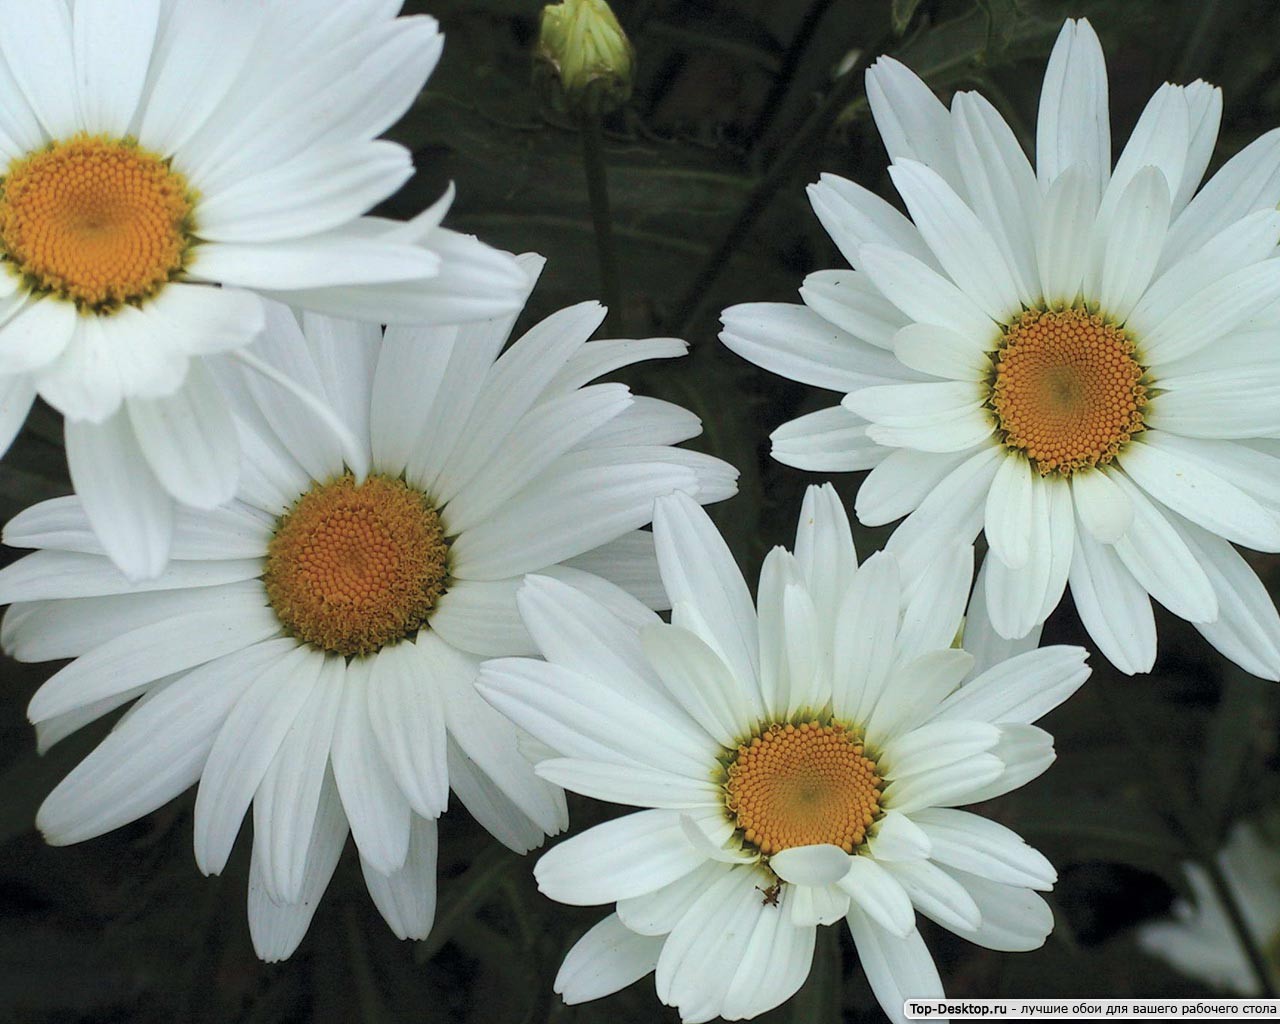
341	547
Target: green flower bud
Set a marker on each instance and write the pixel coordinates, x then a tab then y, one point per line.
583	62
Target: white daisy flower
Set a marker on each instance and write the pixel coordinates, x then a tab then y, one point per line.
311	648
1200	940
1075	358
797	766
162	164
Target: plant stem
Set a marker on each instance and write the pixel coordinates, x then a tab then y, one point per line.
758	200
1182	818
790	61
598	195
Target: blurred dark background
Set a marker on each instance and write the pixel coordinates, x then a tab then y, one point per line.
125	929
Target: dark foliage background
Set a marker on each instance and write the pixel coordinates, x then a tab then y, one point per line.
1150	770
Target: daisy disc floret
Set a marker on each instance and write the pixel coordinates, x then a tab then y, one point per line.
796	761
163	167
1068	356
311	649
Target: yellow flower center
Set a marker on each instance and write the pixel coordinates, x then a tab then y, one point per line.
1068	391
354	567
96	221
797	785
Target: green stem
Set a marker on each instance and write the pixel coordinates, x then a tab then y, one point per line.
1183	819
598	195
782	80
779	173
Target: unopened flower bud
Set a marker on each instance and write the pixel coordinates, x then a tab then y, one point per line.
583	61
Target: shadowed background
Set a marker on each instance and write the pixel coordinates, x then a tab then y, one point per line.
737	106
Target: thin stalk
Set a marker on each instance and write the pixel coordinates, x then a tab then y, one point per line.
759	198
598	195
790	61
1183	820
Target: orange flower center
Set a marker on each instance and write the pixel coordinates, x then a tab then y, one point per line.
97	221
354	567
1068	391
797	785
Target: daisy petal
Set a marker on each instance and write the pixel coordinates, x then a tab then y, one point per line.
406	897
607	959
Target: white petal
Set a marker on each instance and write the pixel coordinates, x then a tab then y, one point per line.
278	928
38	52
1017	598
1161	563
406	897
143	655
1202	496
912	121
623	858
375	806
696	677
112	41
607	959
899	484
156	754
896	837
629	563
287	800
491	807
1113	606
942	352
512	387
1010	511
1020	689
698	570
822	864
1002	186
1235	247
983	847
1065	233
865	636
1159	141
936	894
547	432
1212	312
795	342
925	295
633	785
489	740
243	752
1103	507
189	440
704	950
406	712
36	334
1014	919
1247	629
1248	182
852	302
656	913
585	499
1132	236
1074	123
824	553
853	216
963	245
879	896
578	717
898	969
830	440
16	397
912	693
951	513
